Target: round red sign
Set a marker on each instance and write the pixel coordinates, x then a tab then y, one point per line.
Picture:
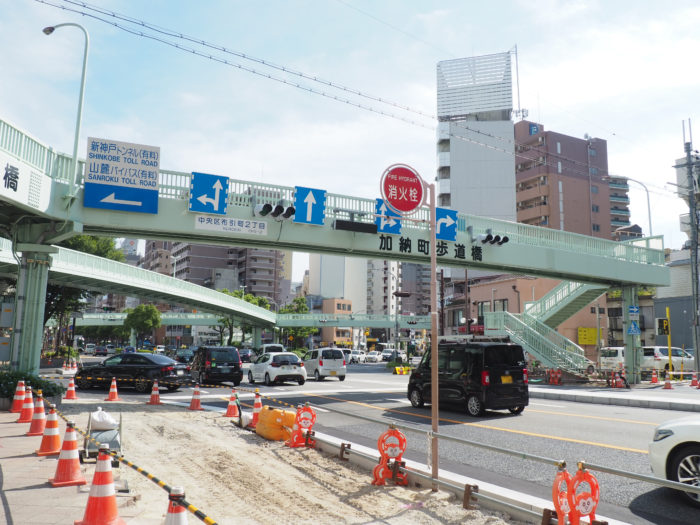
402	189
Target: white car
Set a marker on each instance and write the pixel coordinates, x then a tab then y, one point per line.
277	367
160	349
325	362
358	356
90	349
373	357
657	357
674	453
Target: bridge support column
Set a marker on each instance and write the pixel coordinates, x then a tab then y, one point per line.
257	337
30	301
632	340
132	338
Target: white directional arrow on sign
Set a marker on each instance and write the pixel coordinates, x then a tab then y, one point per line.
447	221
112	199
215	201
386	220
310	200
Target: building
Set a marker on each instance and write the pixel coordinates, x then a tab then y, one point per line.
562	183
336	335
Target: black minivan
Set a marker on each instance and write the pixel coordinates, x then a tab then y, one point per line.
474	373
214	364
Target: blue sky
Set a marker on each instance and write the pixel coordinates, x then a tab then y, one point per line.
623	71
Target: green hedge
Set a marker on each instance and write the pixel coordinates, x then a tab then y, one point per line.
9	380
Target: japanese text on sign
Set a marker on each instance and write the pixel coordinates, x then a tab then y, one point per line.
230	225
122	164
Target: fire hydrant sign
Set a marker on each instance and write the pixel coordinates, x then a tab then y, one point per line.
121	176
402	189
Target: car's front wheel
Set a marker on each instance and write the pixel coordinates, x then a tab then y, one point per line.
685	468
142	385
416	398
475	407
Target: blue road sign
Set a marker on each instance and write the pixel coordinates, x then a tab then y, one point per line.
120	198
634	329
310	206
121	176
633	310
387	223
445	224
208	193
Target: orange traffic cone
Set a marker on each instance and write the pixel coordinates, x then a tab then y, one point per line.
38	418
73	365
667	383
155	395
694	381
68	468
70	393
195	404
51	442
654	376
18	400
102	503
257	408
65	366
177	514
113	395
25	416
232	409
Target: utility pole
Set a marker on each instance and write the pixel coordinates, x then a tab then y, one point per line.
690	165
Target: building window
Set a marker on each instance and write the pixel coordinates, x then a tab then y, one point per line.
559	147
558	166
592	152
595	208
596	227
594	189
594	171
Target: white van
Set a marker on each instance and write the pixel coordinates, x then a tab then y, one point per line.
612	357
657	357
90	349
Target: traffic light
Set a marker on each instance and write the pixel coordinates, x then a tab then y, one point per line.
280	211
488	237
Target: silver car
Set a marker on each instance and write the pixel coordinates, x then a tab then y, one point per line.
325	362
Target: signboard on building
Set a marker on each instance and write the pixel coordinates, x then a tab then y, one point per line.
587	336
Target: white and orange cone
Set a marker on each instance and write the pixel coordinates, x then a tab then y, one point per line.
257	408
73	365
25	416
155	395
18	400
694	381
68	468
232	409
38	418
113	395
177	513
196	403
65	366
667	383
102	503
70	393
51	442
654	377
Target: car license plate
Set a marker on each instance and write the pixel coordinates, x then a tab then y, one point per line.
506	379
285	368
225	369
180	372
333	372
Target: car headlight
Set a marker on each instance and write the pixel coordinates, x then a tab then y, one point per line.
662	433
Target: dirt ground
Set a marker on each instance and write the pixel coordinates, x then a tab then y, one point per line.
235	476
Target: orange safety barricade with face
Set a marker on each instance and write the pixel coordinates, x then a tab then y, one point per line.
391	445
560	496
585	502
304	422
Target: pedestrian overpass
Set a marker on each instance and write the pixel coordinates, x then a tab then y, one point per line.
41	204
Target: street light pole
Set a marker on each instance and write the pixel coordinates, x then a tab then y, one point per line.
74	167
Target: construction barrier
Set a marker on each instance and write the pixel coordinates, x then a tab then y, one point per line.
402	370
569	501
391	445
275	424
302	429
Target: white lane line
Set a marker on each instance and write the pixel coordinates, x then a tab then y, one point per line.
403	401
546	405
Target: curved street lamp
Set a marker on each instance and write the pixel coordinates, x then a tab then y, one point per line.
74	167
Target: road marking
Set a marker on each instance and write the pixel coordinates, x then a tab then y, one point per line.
491	427
546	405
601	418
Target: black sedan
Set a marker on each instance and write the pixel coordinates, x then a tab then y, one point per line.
135	370
246	355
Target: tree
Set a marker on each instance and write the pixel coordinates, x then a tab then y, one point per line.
230	322
297	336
143	319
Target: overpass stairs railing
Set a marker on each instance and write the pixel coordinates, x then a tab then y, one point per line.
552	349
563	301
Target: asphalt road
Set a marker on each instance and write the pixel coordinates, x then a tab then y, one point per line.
613	436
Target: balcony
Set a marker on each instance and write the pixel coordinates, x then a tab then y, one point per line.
443	159
443	186
443	131
619	222
620	198
535	212
620	211
619	185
